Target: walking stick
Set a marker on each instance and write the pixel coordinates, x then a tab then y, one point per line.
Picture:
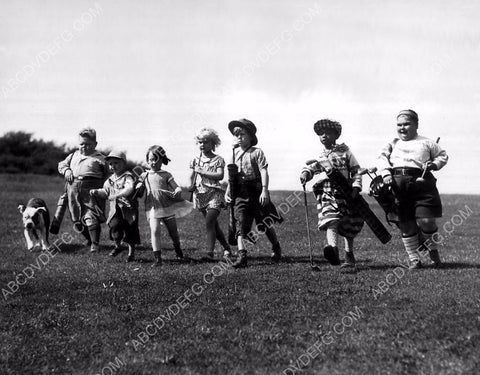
313	266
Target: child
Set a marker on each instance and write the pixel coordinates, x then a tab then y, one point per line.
208	195
123	211
252	200
334	215
163	201
85	169
403	162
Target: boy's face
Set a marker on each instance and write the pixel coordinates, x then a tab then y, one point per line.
86	146
154	162
242	138
328	137
205	145
117	166
406	128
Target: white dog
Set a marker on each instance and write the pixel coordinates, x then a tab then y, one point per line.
36	222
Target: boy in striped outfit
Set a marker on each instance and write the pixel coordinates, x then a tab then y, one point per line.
334	215
402	163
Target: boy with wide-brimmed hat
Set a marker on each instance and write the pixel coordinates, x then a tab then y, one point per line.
406	165
334	214
251	199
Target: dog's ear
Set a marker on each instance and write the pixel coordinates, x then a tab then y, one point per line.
21	208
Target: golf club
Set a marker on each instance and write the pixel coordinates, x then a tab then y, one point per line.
422	177
313	266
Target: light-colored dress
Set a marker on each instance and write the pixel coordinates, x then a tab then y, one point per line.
160	202
208	193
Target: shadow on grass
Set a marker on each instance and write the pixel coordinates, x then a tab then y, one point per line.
460	265
445	266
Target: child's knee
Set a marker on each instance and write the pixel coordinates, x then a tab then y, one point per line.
427	224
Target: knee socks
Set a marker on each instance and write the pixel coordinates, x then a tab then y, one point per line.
332	235
411	246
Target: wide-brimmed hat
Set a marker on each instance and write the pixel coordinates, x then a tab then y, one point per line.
327	124
247	125
116	155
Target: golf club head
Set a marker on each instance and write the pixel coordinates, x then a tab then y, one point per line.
315	268
362	171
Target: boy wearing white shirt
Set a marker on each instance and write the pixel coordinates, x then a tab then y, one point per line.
402	164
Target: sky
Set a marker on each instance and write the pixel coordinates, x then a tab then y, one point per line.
156	71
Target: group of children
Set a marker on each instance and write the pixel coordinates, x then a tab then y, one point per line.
402	161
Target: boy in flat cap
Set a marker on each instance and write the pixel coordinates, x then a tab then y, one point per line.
334	214
406	165
252	198
85	169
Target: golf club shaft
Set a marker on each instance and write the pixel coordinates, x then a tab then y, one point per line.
308	225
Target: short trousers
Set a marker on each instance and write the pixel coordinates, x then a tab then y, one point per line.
248	208
417	199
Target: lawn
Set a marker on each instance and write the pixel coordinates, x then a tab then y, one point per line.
76	312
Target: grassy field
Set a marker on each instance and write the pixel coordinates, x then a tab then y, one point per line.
74	312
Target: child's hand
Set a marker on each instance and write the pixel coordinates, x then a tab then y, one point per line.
264	197
303	178
92	192
228	199
431	166
199	170
388	180
69	176
177	193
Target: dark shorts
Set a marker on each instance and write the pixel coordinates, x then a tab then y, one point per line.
122	230
248	208
417	199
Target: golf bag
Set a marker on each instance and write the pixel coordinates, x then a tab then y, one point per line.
383	194
359	204
233	183
62	205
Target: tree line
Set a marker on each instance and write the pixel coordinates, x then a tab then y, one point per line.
21	153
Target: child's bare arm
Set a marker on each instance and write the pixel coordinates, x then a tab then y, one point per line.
177	191
64	168
217	175
265	195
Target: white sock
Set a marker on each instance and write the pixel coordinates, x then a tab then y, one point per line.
332	235
349	244
411	246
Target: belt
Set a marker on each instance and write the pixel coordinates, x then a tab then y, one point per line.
86	178
414	172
